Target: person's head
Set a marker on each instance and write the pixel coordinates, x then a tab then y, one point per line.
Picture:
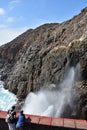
13	107
21	111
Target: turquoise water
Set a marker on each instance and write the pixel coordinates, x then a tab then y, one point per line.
7	99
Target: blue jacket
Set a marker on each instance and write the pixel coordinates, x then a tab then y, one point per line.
21	120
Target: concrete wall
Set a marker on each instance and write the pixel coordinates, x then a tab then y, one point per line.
46	123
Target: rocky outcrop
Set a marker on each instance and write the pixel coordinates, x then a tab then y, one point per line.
39	56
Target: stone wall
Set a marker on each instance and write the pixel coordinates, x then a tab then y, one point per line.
46	123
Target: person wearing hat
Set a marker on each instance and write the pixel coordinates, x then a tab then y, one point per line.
20	121
11	114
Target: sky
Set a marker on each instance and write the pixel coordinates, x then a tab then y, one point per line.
17	16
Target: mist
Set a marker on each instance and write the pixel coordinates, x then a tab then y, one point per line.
53	100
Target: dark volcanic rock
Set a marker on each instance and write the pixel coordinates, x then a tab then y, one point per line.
39	56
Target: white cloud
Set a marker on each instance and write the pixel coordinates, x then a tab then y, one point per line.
2	11
2	26
15	1
6	34
10	19
13	4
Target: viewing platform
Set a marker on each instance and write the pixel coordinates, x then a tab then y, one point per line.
34	122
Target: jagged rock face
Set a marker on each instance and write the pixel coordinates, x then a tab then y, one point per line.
38	57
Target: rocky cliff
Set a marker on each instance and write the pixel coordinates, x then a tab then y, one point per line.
39	56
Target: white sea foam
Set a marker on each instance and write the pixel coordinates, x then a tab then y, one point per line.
7	99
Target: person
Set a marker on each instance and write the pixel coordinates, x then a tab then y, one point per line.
11	118
20	121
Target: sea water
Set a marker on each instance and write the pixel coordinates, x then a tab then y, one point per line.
7	99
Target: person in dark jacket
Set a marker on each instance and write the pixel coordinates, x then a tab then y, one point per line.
11	118
20	121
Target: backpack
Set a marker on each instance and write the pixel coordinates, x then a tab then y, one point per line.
10	117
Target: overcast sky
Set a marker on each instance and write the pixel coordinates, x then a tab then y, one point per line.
17	16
